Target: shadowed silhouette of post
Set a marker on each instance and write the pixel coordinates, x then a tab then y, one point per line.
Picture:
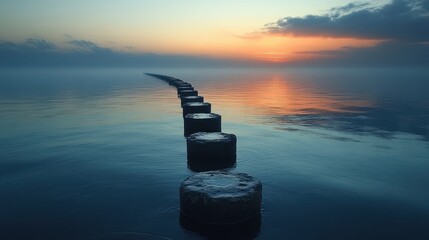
202	122
196	107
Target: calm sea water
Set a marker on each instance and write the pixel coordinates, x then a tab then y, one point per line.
100	154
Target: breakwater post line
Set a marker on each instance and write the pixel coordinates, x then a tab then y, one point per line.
213	199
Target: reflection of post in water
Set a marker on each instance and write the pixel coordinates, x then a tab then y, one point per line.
217	204
245	230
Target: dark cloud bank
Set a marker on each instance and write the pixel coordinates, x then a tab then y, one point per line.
401	25
401	20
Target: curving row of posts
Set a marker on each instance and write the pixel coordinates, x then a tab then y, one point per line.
214	199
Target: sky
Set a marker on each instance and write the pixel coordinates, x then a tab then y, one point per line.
170	32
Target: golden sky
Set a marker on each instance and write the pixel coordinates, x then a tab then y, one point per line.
221	28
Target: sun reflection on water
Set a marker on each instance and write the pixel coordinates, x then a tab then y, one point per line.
280	95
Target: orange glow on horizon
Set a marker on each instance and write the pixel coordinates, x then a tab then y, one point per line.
267	48
288	49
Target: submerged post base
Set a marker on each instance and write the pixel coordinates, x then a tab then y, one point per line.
246	230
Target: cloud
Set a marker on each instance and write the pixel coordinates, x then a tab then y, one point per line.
401	26
88	46
351	7
29	44
402	20
39	44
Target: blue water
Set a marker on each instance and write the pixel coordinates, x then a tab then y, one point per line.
100	154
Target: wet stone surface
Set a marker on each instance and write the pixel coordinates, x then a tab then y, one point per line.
219	197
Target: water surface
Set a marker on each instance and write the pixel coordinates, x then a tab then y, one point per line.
100	154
